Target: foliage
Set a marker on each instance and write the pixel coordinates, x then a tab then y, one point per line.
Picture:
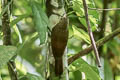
31	77
93	15
82	66
6	53
30	35
40	20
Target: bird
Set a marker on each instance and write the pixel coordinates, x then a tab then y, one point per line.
59	39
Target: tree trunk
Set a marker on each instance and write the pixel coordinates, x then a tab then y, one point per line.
7	34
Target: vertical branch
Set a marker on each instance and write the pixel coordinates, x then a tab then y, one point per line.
7	35
90	33
117	16
103	22
5	24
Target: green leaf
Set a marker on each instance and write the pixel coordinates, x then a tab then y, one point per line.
0	22
19	18
117	77
95	69
40	20
70	32
15	21
81	34
31	77
83	66
18	33
113	45
6	53
93	14
77	75
107	71
21	46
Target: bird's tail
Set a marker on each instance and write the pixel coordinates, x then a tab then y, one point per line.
58	66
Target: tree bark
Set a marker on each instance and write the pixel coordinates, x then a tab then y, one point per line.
7	35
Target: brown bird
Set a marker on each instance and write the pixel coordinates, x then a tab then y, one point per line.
59	38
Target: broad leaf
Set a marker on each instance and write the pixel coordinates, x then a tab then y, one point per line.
83	66
40	20
31	77
6	53
81	34
79	10
77	75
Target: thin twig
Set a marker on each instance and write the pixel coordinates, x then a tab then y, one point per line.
110	9
91	34
98	43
